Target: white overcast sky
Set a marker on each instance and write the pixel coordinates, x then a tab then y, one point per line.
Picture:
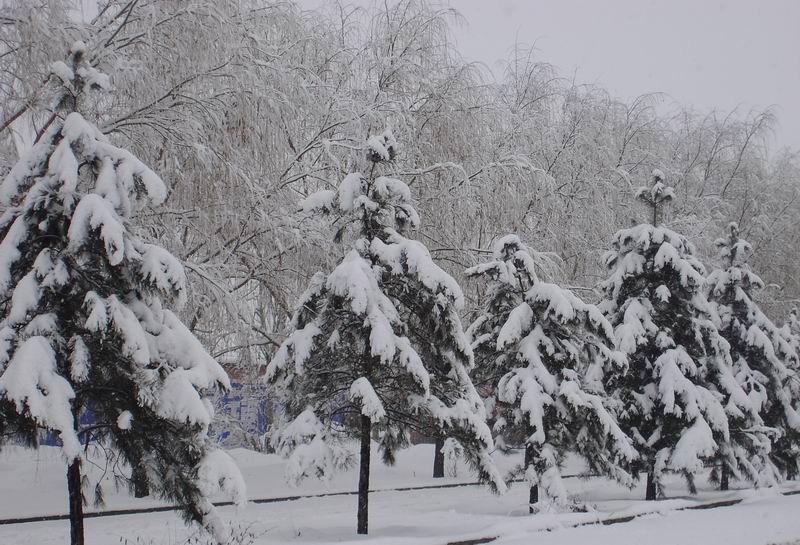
711	54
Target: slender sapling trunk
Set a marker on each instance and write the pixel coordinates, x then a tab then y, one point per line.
650	493
438	458
533	493
363	476
141	489
725	475
75	502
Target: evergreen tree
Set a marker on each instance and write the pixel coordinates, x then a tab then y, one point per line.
762	363
376	345
85	323
547	355
765	360
679	388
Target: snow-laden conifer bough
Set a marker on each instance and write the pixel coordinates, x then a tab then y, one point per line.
376	348
791	330
765	364
544	358
85	320
679	390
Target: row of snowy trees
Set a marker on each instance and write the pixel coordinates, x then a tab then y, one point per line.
674	370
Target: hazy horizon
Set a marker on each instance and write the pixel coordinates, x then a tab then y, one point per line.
710	55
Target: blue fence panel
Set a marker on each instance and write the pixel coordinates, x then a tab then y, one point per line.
245	404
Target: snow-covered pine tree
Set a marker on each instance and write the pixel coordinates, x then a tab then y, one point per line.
763	362
547	356
85	323
355	364
679	388
434	329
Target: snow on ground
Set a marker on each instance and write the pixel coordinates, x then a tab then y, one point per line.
765	520
32	483
37	479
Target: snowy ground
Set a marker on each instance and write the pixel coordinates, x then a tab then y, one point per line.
32	484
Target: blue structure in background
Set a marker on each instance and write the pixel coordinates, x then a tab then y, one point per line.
244	404
52	439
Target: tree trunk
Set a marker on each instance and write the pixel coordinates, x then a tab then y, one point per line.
363	476
75	502
141	489
533	497
438	459
533	493
725	475
650	493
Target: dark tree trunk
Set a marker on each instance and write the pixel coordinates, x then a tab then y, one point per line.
75	502
438	459
141	489
533	493
725	476
650	493
363	476
533	497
